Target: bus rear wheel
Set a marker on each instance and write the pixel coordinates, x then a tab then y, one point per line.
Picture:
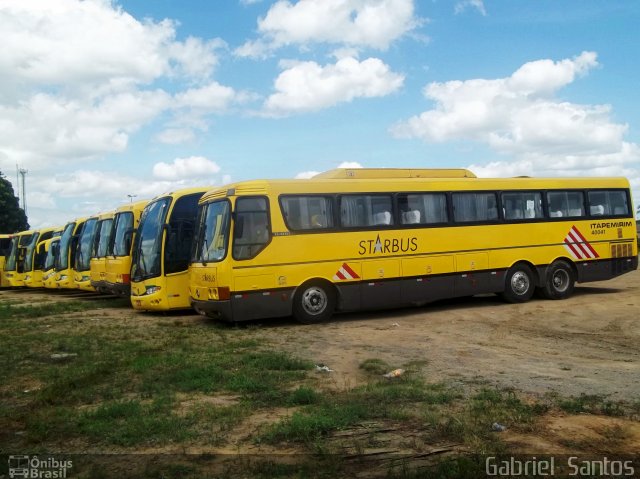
314	302
560	281
519	284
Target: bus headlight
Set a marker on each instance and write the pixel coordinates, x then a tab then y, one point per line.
152	289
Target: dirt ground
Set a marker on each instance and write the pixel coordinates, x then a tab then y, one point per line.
589	343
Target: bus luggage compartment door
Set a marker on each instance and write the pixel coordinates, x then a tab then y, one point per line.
427	279
381	284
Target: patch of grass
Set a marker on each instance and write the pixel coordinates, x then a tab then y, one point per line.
10	310
129	423
591	403
303	396
375	366
382	400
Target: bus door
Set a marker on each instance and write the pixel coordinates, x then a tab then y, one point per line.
178	239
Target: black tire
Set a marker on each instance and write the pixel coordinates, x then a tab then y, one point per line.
560	281
519	284
314	302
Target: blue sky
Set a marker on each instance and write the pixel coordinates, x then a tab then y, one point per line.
101	99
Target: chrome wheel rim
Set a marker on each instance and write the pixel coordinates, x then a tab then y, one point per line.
560	280
314	301
520	283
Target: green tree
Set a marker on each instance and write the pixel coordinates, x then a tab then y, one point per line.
12	217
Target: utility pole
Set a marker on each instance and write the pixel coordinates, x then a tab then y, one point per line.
23	174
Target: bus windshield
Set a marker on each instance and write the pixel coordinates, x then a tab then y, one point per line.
51	255
213	234
123	229
105	235
28	259
62	261
83	257
10	265
148	248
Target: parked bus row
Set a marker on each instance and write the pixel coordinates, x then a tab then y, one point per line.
345	240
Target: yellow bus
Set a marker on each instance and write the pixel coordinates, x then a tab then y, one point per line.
35	255
118	264
161	251
370	239
84	246
5	250
98	261
48	270
14	266
66	258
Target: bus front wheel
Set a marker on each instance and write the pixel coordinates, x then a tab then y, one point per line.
560	281
314	302
519	284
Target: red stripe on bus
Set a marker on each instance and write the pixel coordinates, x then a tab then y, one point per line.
579	244
576	252
577	231
351	272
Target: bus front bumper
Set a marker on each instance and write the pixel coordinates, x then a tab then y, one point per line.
119	289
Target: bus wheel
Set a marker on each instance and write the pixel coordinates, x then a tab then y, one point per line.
314	302
560	281
519	284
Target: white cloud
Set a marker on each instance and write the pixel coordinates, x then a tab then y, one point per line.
183	168
308	86
77	78
358	23
350	164
519	116
305	175
464	4
56	199
175	136
210	98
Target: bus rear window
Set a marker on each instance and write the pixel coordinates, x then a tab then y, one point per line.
608	203
307	212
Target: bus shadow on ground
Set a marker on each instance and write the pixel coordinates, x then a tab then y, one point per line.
452	304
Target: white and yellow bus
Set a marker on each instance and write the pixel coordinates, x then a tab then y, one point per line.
100	242
65	260
5	250
118	264
14	265
35	255
161	251
371	238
